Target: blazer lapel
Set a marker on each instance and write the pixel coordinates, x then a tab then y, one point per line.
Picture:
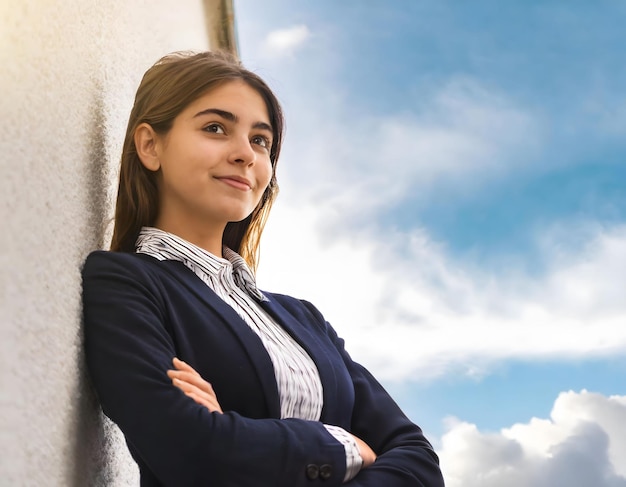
249	340
317	349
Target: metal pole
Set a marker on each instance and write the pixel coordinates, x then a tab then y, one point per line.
220	23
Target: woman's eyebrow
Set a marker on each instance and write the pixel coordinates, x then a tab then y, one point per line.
231	117
216	111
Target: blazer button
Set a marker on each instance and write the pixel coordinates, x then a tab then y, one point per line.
312	471
326	471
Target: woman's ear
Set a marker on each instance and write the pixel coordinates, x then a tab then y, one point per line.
146	145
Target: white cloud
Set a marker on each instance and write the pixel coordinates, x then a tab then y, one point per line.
409	311
393	293
284	42
461	134
406	307
582	445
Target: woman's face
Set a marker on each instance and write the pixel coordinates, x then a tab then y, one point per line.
215	160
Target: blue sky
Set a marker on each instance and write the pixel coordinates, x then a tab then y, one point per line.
458	169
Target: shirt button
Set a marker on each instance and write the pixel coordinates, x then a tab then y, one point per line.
326	471
312	471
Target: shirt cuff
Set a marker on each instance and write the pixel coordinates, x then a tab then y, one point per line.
354	462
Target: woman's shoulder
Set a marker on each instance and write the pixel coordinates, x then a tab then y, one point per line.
108	257
124	263
107	273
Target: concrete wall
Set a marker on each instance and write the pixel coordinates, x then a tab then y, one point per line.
68	73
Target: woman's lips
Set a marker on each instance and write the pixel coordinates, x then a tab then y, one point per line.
236	182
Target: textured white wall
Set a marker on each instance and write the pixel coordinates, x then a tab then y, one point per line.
68	72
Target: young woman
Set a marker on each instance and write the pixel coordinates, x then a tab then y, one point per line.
213	382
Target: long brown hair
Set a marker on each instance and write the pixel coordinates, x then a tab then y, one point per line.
167	88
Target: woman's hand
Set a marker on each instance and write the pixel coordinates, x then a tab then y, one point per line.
193	385
367	454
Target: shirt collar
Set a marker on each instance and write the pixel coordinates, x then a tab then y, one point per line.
163	245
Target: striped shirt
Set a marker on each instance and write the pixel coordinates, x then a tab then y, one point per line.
299	385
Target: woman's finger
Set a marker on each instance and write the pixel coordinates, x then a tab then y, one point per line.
207	400
201	397
210	405
187	387
187	379
191	379
180	365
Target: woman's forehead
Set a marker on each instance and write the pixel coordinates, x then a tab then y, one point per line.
236	97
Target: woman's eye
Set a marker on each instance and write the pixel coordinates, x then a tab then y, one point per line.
262	141
214	128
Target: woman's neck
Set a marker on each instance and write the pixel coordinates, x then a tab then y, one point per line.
206	237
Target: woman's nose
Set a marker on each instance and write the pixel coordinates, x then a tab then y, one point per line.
242	151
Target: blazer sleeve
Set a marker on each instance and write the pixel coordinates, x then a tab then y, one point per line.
128	351
405	458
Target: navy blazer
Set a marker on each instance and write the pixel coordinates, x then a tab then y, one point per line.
139	313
